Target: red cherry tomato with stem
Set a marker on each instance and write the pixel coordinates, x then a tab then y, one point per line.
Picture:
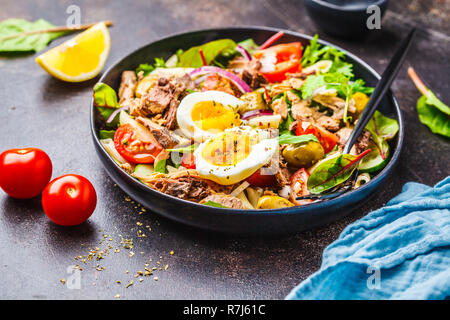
69	200
24	173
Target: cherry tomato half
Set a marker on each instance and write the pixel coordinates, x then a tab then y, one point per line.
327	139
69	200
261	180
188	160
288	56
132	148
24	173
299	188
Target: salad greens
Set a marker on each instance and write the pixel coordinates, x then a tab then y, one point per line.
333	172
432	112
146	68
192	58
214	204
288	138
26	43
105	99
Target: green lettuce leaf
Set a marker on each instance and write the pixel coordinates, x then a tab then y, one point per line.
146	68
214	204
107	134
26	43
160	166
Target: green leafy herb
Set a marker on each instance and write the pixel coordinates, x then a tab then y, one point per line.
146	68
311	84
105	134
333	172
432	112
191	58
160	166
249	45
214	204
288	138
382	128
26	43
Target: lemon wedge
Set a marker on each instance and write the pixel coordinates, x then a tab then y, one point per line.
80	58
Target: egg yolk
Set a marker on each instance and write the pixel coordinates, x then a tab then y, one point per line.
228	149
214	116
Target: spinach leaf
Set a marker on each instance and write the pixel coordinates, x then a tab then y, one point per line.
214	204
288	138
105	134
26	43
191	58
333	172
432	112
105	99
384	127
433	118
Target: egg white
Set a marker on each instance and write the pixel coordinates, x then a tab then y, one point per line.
260	154
184	111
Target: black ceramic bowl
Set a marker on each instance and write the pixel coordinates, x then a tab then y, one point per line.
343	18
244	222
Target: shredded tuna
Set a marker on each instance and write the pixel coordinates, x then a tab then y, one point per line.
225	200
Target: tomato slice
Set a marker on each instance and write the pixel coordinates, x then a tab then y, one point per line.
132	149
188	161
288	57
261	180
327	139
299	188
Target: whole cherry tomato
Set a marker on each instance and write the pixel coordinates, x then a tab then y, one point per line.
261	180
24	173
69	200
134	150
188	161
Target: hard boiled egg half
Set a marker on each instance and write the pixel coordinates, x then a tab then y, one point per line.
235	154
201	115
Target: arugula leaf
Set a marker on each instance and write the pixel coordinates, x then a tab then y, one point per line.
288	138
105	134
214	204
333	172
146	68
433	118
160	166
26	43
105	99
191	58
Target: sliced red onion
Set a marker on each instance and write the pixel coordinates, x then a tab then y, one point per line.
243	52
200	79
256	113
113	115
238	82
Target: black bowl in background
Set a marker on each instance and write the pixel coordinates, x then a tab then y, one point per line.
343	18
244	222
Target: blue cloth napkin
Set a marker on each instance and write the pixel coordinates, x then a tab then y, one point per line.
401	251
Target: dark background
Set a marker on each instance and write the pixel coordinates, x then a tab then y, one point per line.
40	111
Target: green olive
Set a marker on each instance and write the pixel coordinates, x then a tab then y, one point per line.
254	101
303	155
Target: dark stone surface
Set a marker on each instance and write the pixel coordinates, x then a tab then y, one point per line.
43	112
